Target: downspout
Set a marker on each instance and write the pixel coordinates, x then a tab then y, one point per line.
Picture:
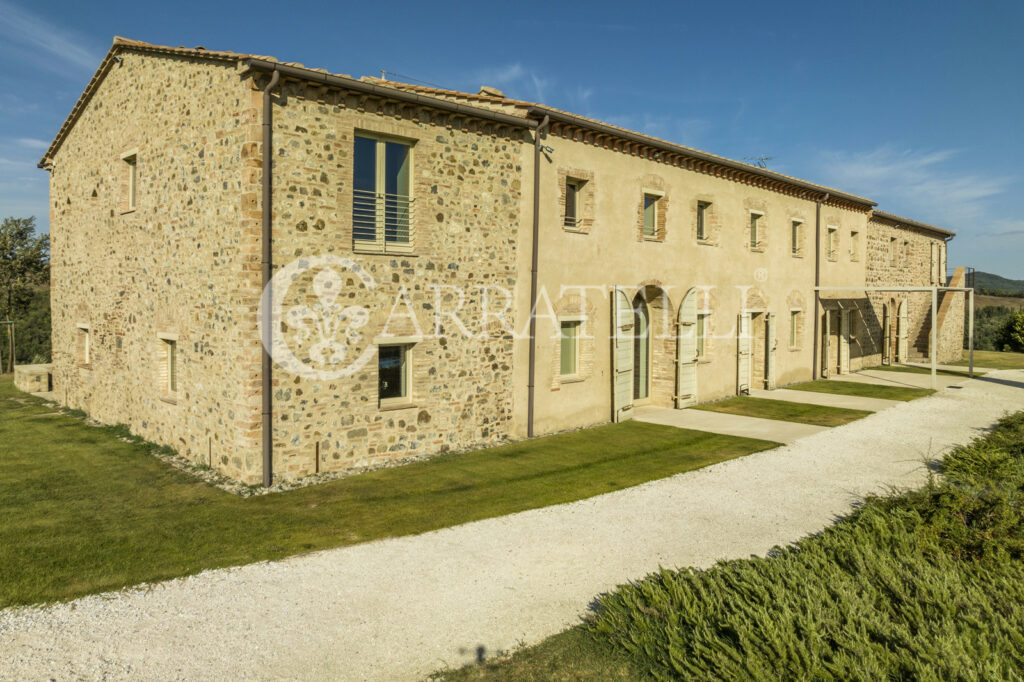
267	374
535	257
817	283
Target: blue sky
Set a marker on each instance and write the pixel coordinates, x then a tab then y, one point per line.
916	105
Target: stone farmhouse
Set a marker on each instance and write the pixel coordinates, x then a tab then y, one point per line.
405	233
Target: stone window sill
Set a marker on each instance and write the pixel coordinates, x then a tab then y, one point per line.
571	379
706	242
129	210
85	365
757	249
169	399
653	239
703	361
400	405
798	255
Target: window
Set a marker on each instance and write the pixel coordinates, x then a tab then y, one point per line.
833	234
84	345
795	237
393	374
755	231
570	348
650	215
906	253
168	364
573	192
381	205
702	332
854	245
794	328
131	181
702	219
892	251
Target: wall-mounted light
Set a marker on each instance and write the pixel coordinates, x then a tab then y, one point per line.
548	150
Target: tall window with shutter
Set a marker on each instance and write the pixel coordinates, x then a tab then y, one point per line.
381	195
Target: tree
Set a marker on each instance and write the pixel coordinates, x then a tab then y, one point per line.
24	264
1015	331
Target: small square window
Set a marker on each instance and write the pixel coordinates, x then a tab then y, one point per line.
702	331
795	237
702	219
573	192
650	215
393	374
570	348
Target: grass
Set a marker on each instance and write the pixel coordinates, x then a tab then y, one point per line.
991	359
575	654
913	369
784	410
86	510
862	390
925	585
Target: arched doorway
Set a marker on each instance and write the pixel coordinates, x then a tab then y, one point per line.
641	348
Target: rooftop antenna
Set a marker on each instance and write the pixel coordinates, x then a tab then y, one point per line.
759	161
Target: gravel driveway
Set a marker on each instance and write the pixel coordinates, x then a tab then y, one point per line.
401	608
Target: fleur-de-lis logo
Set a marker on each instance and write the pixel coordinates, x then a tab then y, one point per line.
326	318
321	329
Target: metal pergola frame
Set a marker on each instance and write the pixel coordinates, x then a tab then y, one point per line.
933	349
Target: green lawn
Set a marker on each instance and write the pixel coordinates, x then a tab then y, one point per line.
923	585
83	510
570	656
862	390
991	359
912	369
784	410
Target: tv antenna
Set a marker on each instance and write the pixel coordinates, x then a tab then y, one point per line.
759	161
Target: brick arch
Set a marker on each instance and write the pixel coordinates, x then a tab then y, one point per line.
754	299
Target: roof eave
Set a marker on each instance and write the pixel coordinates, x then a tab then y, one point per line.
563	117
900	220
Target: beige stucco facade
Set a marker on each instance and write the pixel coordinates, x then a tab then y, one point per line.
156	229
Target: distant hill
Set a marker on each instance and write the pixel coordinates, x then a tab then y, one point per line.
994	285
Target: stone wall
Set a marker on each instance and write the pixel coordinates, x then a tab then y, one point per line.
184	263
903	256
466	190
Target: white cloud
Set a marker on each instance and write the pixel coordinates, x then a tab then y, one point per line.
27	29
920	185
33	143
515	80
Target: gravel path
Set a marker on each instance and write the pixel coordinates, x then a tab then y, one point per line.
401	608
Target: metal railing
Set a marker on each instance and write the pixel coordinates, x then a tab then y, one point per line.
968	276
382	221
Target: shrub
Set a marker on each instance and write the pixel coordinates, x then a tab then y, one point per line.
923	585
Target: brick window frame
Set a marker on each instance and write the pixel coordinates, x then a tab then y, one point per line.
756	230
797	235
712	225
660	214
585	199
832	243
573	308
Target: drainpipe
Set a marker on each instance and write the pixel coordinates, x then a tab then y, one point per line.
817	283
535	256
266	235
